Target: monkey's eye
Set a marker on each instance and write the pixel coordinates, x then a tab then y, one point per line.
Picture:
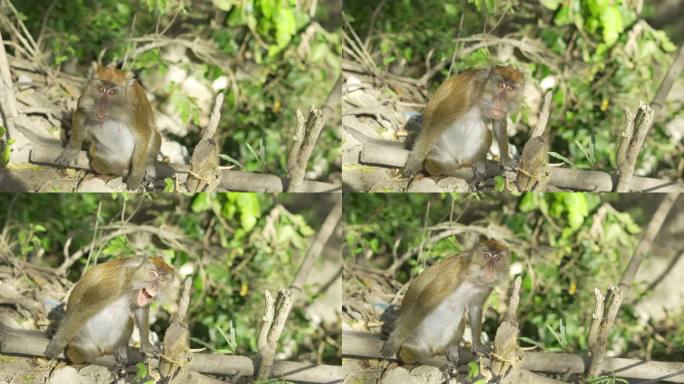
154	274
101	89
501	84
112	91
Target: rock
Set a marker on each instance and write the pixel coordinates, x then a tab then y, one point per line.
65	375
96	374
400	375
429	374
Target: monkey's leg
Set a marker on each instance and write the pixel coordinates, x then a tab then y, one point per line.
105	164
452	349
80	352
415	351
439	163
391	346
137	171
152	152
475	323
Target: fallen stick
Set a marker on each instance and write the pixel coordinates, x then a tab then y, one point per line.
364	345
230	180
576	179
23	344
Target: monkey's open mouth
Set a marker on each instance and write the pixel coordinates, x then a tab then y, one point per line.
145	297
496	113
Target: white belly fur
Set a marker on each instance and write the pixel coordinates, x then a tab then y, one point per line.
438	328
106	327
463	138
114	137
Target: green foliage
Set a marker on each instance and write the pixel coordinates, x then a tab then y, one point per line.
235	245
607	60
566	244
277	54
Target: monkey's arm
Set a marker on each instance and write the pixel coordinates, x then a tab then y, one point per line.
499	128
69	155
142	321
475	321
137	171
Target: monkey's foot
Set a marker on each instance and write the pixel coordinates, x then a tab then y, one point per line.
67	158
413	166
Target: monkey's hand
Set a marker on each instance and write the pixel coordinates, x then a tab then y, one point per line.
389	349
68	157
149	349
452	354
53	349
134	182
509	164
413	166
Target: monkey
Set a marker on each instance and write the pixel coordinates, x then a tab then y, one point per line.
103	306
454	132
114	115
432	314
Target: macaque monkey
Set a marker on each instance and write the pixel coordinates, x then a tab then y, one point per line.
455	133
114	115
432	314
103	305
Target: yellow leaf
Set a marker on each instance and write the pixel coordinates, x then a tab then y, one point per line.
244	289
604	105
573	288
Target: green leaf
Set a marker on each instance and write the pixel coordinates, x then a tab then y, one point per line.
563	16
551	4
224	5
202	202
499	184
576	204
611	18
473	369
250	211
169	185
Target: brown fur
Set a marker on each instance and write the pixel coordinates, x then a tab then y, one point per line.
450	102
134	109
430	288
99	287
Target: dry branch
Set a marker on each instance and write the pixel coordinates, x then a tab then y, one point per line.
598	338
8	103
304	140
363	345
34	346
561	178
646	240
633	137
230	180
598	348
274	323
204	165
272	328
175	355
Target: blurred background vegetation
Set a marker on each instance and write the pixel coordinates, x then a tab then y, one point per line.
271	57
564	245
235	246
598	56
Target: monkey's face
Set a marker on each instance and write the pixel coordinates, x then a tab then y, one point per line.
491	262
501	93
106	99
150	280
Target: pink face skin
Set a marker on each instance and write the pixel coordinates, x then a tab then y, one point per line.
499	97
